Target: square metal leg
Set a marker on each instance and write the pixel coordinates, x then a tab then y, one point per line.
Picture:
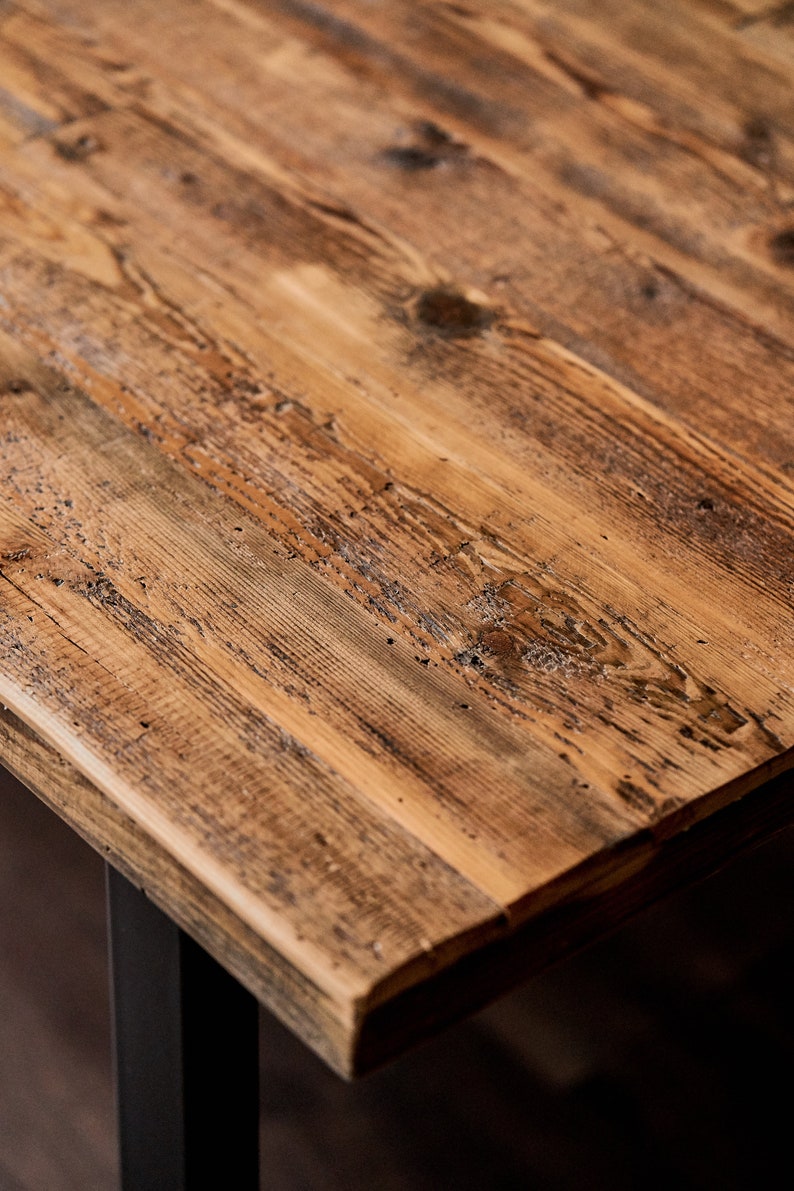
187	1064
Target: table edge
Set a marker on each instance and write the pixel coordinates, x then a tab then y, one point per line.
412	1003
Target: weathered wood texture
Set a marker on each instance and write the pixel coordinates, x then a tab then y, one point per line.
655	1058
397	457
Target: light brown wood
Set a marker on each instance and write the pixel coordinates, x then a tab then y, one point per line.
397	462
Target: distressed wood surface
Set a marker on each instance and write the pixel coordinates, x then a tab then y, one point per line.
396	461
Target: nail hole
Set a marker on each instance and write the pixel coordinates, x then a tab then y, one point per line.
430	148
412	157
78	150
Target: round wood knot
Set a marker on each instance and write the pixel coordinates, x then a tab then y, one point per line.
448	312
498	641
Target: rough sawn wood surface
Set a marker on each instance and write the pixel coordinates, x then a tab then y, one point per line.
396	459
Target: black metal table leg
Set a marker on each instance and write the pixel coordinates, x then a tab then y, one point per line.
187	1065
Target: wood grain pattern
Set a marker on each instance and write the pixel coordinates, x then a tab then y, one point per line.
397	457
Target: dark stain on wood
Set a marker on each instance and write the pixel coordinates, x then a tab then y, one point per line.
427	148
450	313
781	246
758	143
79	149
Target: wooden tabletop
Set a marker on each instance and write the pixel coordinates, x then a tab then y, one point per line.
397	470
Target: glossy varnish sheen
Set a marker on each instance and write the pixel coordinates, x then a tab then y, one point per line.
397	457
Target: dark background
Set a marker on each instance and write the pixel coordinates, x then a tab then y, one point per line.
660	1058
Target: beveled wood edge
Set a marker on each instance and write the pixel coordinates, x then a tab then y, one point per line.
294	999
651	870
412	1003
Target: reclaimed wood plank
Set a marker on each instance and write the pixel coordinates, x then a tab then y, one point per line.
396	450
634	881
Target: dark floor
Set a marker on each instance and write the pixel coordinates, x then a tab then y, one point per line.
661	1058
